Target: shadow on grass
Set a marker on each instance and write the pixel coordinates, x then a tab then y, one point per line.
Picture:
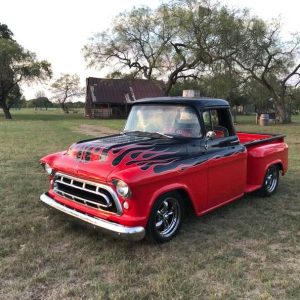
218	225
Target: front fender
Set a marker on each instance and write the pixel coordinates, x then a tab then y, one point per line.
50	158
169	188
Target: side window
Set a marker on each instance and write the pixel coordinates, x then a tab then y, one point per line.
219	121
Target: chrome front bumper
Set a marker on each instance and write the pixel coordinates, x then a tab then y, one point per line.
130	233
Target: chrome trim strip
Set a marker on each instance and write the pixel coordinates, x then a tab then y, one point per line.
131	233
98	185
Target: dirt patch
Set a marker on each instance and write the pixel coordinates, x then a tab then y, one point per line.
95	130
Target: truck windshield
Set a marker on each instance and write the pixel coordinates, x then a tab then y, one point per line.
172	120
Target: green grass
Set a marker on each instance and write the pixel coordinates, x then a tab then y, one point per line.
249	249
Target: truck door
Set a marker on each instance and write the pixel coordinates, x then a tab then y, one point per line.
227	158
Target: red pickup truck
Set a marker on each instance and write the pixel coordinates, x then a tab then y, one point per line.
172	153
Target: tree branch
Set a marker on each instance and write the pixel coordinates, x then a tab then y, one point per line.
294	72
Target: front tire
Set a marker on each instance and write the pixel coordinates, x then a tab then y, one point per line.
165	218
271	181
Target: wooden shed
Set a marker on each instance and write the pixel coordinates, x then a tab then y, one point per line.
111	98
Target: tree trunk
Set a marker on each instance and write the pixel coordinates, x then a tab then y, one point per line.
6	111
234	114
168	87
64	108
284	113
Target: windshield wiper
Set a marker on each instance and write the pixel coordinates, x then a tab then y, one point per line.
149	134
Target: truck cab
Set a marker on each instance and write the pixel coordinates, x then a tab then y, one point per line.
172	153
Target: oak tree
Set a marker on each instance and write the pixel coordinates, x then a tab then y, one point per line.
66	88
17	65
270	60
175	41
200	40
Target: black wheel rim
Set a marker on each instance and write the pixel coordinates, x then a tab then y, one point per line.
271	179
167	217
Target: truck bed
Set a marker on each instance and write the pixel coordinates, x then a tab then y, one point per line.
250	139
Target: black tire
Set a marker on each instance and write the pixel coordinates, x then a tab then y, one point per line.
271	181
165	218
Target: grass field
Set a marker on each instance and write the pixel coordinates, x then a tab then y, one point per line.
249	249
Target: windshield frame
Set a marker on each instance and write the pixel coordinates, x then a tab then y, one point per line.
194	108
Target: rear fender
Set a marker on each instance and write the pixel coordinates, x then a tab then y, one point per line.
262	157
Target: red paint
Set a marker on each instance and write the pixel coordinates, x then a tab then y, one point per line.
261	156
208	185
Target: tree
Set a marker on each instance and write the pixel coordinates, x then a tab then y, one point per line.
193	49
66	88
5	32
17	65
40	94
188	84
14	97
176	41
195	39
137	41
271	61
41	102
258	95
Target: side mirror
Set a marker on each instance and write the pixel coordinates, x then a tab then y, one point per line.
210	135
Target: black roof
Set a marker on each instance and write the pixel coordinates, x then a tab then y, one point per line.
200	102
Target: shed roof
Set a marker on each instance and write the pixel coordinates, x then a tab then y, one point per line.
123	90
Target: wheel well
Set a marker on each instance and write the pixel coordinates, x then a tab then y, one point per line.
188	205
280	166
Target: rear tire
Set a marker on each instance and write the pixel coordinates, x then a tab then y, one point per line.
271	181
165	218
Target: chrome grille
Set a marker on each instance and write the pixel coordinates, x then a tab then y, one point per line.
88	193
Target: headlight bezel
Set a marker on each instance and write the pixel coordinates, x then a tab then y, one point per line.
122	188
48	169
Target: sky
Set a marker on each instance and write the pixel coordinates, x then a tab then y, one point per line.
56	30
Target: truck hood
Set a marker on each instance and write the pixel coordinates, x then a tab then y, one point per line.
100	157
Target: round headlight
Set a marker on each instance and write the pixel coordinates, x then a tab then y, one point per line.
48	169
122	189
